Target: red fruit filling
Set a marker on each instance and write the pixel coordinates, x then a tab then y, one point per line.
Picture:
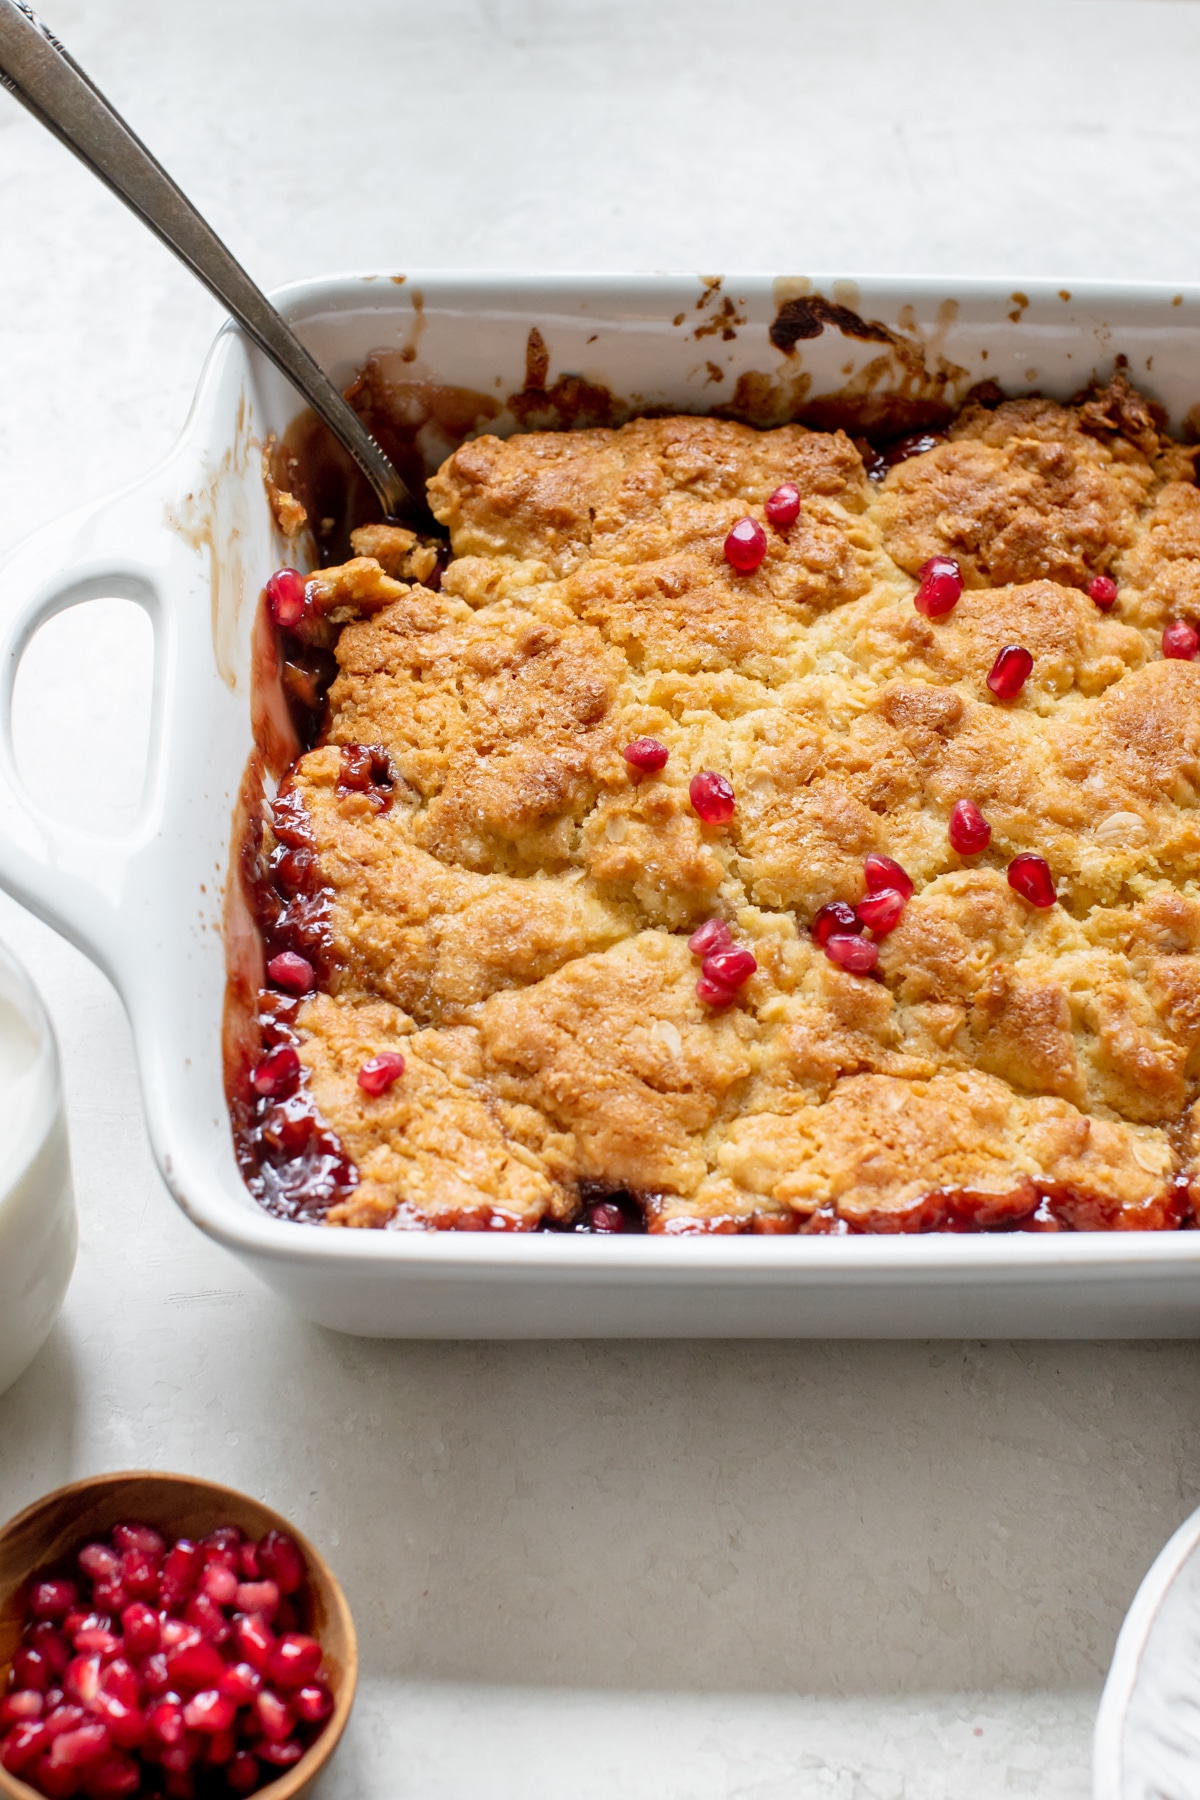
646	754
1030	876
287	598
837	917
1103	590
880	912
377	1076
941	587
745	546
1010	671
858	955
294	974
783	506
154	1705
712	798
884	872
968	830
366	769
1180	641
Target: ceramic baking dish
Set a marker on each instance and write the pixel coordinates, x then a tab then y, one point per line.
192	545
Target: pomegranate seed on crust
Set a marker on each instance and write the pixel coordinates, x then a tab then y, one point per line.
1010	671
941	587
294	974
1180	641
278	1073
857	955
646	754
783	505
881	910
836	916
287	598
375	1077
1103	590
712	798
730	968
714	993
884	872
745	546
968	830
714	934
1029	876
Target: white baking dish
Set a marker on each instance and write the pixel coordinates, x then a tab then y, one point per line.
193	543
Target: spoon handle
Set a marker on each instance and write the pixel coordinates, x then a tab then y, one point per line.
40	73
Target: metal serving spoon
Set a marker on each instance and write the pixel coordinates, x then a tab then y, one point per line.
39	72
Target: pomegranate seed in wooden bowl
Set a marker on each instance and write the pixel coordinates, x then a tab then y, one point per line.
232	1671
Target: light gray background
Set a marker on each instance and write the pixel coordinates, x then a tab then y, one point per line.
666	1571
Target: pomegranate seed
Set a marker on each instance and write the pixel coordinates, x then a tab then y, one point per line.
195	1666
31	1669
119	1679
856	954
278	1074
712	798
63	1718
968	831
714	934
258	1597
837	916
139	1626
176	1633
178	1758
255	1640
126	1724
56	1782
164	1722
111	1596
745	546
783	506
1180	641
52	1644
221	1746
1103	590
139	1575
941	587
180	1785
100	1562
53	1599
714	993
646	754
375	1077
313	1703
287	598
241	1682
286	1619
248	1567
274	1715
1030	877
209	1710
132	1534
153	1672
280	1559
72	1749
282	1756
16	1708
294	974
604	1217
113	1779
884	872
729	968
1010	671
98	1643
881	911
220	1583
180	1571
22	1746
207	1617
242	1773
82	1679
294	1660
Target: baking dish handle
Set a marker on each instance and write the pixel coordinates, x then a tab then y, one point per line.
80	881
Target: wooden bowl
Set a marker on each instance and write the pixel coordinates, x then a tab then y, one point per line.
55	1527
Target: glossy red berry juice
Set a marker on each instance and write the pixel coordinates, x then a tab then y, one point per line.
151	1669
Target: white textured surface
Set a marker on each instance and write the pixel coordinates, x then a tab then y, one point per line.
850	1571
